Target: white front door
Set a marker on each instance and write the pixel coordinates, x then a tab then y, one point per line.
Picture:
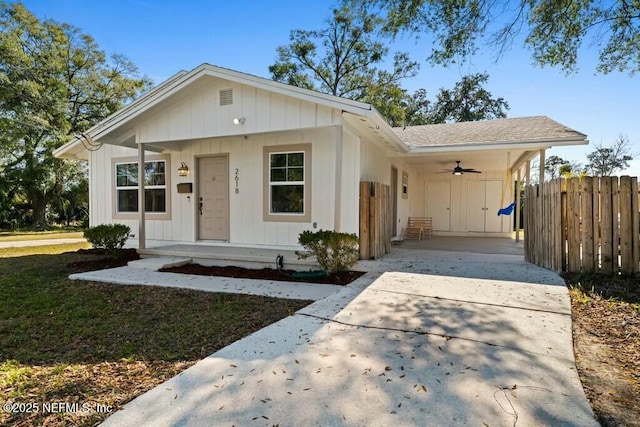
439	204
213	198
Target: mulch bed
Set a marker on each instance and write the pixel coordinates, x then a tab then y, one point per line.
104	261
340	278
99	259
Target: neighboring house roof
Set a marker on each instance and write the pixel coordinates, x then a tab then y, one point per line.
520	130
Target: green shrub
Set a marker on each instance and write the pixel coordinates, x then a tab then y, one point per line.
110	237
334	251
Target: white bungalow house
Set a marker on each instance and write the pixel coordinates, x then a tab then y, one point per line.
238	160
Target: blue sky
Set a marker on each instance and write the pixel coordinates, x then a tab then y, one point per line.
162	37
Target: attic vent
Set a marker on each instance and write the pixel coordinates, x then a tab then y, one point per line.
226	96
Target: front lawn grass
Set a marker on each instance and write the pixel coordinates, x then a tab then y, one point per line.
72	341
15	236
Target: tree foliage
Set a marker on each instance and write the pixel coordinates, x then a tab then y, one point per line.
468	101
606	161
555	166
343	59
554	30
55	82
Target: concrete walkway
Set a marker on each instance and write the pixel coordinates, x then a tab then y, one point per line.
144	272
439	338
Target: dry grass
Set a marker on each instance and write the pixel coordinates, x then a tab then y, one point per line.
606	319
40	235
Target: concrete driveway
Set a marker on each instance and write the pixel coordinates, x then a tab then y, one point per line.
426	337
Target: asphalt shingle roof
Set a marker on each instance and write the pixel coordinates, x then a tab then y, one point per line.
521	129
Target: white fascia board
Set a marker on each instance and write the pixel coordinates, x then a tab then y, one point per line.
141	105
121	115
64	151
381	125
525	145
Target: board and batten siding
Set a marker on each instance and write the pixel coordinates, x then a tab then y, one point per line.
375	166
245	207
460	209
195	112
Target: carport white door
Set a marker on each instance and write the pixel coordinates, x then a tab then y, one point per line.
493	197
483	202
475	206
439	204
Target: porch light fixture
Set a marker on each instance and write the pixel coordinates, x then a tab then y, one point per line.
183	170
238	121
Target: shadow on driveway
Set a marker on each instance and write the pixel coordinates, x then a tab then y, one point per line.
437	339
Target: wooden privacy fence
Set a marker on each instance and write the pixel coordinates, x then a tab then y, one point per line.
583	224
375	220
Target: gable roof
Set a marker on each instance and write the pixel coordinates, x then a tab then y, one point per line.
183	78
520	130
529	132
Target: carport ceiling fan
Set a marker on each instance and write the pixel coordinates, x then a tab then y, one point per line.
459	170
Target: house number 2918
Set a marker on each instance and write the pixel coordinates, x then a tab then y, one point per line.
237	180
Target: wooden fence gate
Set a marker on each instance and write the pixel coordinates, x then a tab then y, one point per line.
583	224
375	220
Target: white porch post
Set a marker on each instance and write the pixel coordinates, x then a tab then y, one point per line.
337	211
141	202
542	161
518	178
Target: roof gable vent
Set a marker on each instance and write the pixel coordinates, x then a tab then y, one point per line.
226	97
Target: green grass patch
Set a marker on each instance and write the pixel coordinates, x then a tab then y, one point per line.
63	340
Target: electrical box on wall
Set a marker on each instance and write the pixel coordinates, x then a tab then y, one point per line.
185	188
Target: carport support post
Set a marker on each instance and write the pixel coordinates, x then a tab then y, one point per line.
337	211
141	202
542	162
518	178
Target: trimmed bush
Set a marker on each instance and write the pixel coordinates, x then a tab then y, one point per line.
110	237
334	251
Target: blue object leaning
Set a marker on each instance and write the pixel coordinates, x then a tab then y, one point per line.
508	210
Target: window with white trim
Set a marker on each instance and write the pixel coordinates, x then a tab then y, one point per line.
286	183
155	187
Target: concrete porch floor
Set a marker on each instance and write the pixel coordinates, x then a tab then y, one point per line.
223	255
480	245
252	257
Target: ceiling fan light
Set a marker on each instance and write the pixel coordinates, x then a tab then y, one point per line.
457	173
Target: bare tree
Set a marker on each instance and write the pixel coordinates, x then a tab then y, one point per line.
606	161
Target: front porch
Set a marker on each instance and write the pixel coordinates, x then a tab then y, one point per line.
255	257
227	254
